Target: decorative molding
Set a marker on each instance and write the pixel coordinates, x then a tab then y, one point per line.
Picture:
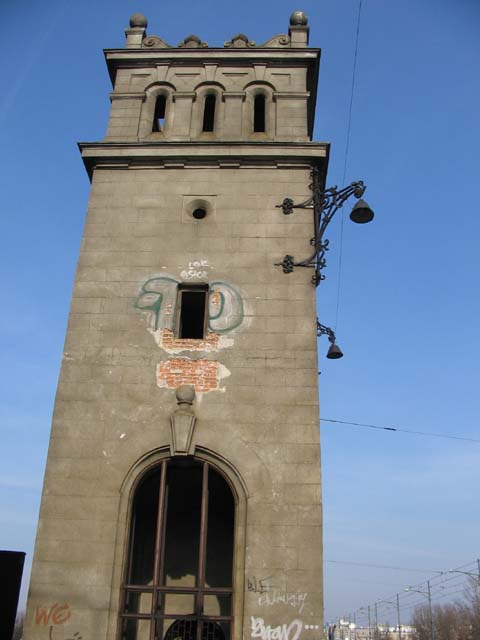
182	422
240	41
155	42
280	41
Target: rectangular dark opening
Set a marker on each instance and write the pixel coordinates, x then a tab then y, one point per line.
209	113
193	304
159	116
259	114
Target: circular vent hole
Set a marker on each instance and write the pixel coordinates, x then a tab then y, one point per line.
199	214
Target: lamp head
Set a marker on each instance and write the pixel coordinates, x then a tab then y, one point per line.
361	213
334	352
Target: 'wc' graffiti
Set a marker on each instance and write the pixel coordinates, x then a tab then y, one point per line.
53	615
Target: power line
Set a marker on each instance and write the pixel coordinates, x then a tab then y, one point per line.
445	584
381	566
428	434
347	145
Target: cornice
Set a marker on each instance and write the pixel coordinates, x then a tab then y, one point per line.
168	155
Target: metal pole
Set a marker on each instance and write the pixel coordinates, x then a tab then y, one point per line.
376	622
432	630
369	625
398	618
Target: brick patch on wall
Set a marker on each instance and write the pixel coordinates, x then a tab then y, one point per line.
204	375
172	344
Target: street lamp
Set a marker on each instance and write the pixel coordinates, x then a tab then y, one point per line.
397	603
428	595
334	352
465	573
324	203
367	609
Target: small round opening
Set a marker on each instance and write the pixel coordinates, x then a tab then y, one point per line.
199	214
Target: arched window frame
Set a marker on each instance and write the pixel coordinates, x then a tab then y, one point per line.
252	91
204	90
133	479
152	93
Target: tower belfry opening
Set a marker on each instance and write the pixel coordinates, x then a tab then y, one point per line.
259	114
209	113
159	115
182	494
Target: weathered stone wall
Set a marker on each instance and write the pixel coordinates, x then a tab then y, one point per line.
255	376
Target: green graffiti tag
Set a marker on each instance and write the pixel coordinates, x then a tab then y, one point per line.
152	296
231	314
156	293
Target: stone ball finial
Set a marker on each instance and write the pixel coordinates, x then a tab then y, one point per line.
185	394
138	20
298	19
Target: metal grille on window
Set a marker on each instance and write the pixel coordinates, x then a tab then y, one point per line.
178	583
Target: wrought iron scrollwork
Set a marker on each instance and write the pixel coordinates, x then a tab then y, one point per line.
322	330
324	203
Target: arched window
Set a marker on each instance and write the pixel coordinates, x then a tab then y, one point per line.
209	113
159	115
178	582
259	114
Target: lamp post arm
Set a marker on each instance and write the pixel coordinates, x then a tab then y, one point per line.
322	330
325	204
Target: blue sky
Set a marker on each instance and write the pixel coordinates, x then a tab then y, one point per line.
409	304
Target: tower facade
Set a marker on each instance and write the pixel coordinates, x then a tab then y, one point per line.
182	495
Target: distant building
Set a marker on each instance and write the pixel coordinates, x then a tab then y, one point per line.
345	630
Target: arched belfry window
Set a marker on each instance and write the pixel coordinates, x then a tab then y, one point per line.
259	114
178	582
209	113
159	114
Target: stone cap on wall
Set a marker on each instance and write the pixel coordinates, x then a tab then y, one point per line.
297	36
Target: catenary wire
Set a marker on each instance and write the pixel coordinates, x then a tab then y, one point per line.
428	434
345	162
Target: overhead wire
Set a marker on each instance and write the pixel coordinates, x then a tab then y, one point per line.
444	584
345	163
428	434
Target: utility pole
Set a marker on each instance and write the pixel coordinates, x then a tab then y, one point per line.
376	622
369	625
398	618
432	629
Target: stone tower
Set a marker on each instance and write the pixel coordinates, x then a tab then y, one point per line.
182	495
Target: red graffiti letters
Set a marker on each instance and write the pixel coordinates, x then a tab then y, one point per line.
56	614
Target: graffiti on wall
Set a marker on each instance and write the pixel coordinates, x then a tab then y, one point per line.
54	616
295	600
290	631
197	270
269	595
159	298
258	585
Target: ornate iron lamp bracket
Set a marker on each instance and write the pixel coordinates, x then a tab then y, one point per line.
322	330
324	203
